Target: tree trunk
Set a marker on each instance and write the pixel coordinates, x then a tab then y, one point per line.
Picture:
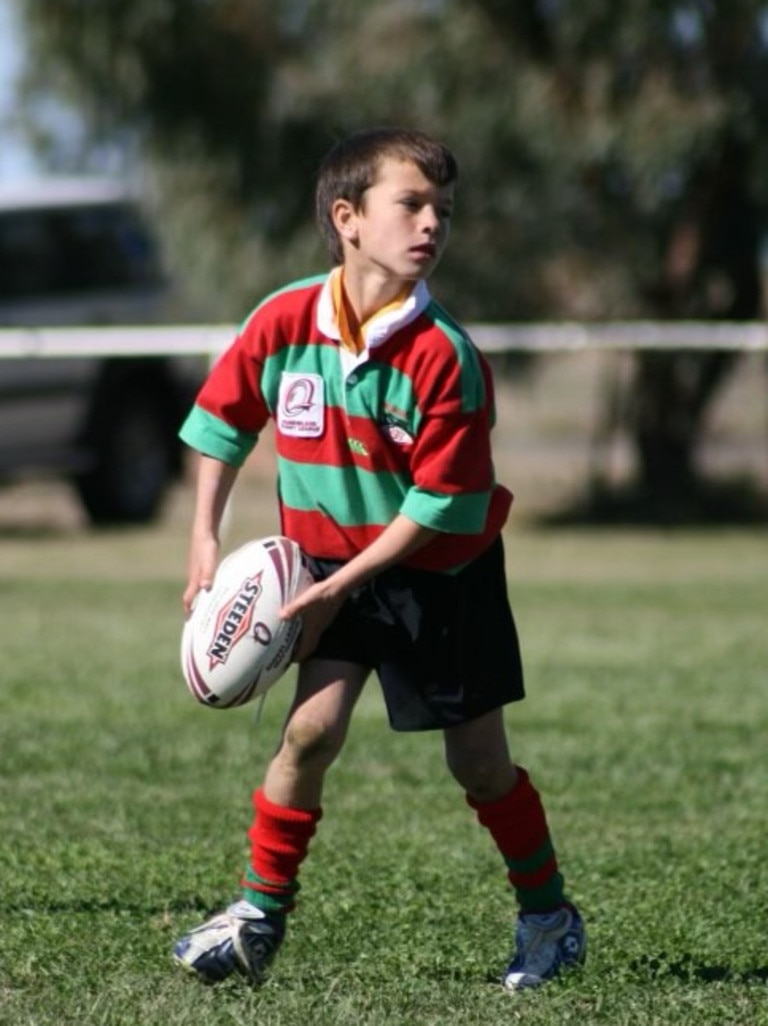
672	394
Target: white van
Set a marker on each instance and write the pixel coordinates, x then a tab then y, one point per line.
80	252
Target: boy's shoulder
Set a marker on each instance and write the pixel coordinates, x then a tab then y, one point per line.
445	323
442	327
289	298
445	351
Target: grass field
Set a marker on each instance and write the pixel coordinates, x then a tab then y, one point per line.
124	806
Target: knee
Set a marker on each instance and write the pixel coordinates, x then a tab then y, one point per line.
483	776
311	741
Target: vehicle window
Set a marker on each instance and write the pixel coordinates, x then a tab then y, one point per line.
27	257
55	252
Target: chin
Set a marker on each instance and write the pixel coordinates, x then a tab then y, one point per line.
417	273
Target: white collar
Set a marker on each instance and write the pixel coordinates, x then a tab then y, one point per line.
380	327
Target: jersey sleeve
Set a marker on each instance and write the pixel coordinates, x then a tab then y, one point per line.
230	411
452	466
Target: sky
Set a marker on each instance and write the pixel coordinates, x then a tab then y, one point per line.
16	161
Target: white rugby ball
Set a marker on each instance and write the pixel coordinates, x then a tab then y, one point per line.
234	645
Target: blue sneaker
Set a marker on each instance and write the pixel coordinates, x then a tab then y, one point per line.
242	939
545	945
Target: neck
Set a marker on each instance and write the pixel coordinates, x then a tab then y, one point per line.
367	295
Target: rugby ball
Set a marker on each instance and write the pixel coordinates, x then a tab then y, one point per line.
234	645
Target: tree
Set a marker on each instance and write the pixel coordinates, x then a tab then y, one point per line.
587	134
676	94
711	271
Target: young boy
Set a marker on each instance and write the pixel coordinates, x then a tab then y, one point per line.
382	410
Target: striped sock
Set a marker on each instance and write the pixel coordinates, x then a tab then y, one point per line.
279	839
518	825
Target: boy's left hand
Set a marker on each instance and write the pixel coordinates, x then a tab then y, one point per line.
320	603
317	606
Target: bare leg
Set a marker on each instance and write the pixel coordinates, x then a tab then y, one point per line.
314	732
478	757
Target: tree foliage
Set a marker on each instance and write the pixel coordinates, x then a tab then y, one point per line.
577	126
584	133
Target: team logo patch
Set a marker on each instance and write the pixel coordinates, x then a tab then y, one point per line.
234	620
301	405
395	430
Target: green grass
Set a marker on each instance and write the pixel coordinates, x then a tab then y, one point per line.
123	805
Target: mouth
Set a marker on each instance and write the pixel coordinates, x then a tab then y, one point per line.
427	251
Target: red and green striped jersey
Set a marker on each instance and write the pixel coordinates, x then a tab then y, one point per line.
403	427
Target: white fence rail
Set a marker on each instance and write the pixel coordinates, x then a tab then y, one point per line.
211	339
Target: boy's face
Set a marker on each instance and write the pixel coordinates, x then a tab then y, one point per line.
402	225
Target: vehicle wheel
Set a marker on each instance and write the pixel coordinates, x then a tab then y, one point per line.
133	464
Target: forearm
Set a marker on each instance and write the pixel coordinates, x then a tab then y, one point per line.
401	539
214	485
215	481
320	603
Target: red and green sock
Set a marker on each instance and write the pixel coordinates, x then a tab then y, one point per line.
518	825
279	840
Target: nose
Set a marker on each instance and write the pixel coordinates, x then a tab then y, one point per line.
431	220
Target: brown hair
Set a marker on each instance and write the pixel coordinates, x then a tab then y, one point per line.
350	168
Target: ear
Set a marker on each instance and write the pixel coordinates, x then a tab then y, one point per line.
344	218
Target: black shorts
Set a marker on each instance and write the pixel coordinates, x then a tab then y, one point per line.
444	646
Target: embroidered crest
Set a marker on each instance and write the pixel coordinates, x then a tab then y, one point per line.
301	405
395	429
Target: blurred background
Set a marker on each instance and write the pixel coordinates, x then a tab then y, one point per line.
614	167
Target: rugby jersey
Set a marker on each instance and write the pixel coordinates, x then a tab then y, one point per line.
401	427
